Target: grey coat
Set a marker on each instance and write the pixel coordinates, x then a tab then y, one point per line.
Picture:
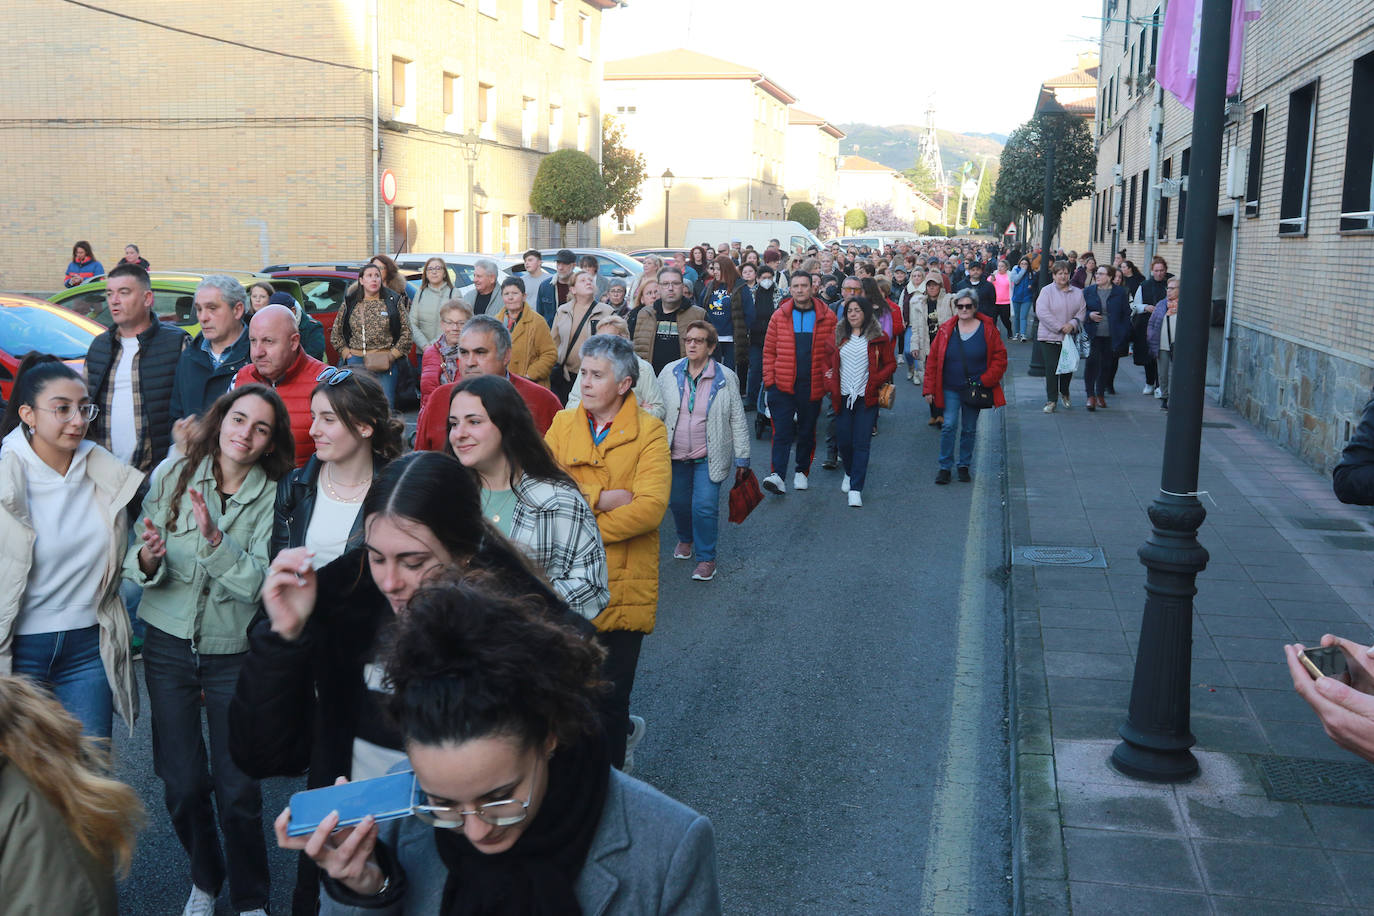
650	854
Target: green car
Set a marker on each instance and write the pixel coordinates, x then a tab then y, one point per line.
174	293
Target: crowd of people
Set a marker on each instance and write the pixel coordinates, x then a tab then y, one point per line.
317	595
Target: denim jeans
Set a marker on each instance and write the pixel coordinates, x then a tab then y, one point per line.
68	663
959	417
1020	317
387	378
1100	362
176	677
794	419
695	503
854	432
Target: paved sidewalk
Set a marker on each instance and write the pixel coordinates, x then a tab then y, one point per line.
1288	562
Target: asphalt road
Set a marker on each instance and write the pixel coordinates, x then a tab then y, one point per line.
834	700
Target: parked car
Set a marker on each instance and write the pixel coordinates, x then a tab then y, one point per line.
609	263
323	288
28	324
460	267
174	295
664	253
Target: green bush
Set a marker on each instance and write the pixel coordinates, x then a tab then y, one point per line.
805	213
856	219
922	227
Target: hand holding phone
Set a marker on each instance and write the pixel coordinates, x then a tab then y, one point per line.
343	854
1324	661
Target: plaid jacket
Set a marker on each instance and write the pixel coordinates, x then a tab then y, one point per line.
555	527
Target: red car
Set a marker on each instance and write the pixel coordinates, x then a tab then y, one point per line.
28	324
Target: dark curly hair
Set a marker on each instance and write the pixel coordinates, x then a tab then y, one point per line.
466	661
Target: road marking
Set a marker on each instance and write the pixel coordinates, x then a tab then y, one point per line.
946	886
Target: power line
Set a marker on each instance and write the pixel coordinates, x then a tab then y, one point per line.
227	41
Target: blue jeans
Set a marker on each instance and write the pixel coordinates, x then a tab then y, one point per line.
794	419
963	418
68	663
695	503
387	378
753	391
1020	312
854	432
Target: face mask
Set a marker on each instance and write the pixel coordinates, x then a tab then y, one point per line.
766	283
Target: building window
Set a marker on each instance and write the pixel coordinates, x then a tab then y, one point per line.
1357	193
402	89
1144	202
483	231
624	225
1254	165
487	7
556	22
529	16
529	114
486	99
510	232
1183	190
451	225
555	127
453	103
584	35
1130	212
400	229
584	133
1162	220
1154	41
1297	160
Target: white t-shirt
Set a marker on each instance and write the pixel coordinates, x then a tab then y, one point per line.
123	426
330	524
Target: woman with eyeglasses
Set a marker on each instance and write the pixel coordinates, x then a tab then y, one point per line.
62	524
201	560
517	809
435	289
355	433
967	349
439	363
311	694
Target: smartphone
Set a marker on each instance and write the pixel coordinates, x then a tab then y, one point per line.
1323	661
385	798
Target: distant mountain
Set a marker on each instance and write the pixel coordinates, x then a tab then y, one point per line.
897	146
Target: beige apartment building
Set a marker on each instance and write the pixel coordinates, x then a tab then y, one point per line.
236	147
1292	344
812	158
734	171
863	182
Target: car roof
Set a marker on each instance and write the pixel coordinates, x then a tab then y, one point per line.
327	264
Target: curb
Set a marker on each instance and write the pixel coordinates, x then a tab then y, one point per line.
1039	872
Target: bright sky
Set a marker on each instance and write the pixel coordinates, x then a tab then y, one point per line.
853	50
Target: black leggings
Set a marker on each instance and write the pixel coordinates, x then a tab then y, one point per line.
1055	384
1004	316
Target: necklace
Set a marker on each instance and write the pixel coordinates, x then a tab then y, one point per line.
328	478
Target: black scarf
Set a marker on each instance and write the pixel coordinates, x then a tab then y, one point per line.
536	876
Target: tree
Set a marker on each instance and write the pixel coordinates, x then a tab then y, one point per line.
881	216
568	189
922	227
856	219
805	212
622	170
831	221
983	205
1021	184
923	178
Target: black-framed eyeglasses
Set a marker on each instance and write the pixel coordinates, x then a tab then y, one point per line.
965	305
65	412
332	375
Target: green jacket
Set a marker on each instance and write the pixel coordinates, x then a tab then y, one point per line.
206	595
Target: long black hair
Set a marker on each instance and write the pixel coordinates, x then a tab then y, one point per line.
524	448
36	371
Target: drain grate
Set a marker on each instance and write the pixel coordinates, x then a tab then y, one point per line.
1083	557
1321	523
1217	424
1350	541
1321	782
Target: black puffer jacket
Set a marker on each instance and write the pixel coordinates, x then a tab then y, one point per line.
1353	477
296	505
159	350
199	382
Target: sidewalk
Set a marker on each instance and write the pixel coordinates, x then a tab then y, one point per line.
1256	832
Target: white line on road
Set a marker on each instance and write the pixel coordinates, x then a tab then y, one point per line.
946	886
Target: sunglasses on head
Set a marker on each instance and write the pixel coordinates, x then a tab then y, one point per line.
332	375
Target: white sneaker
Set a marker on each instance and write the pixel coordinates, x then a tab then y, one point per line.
1049	407
773	484
1158	393
799	481
844	484
637	729
258	912
855	500
200	903
1148	389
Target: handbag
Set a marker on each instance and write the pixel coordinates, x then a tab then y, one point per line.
887	395
974	393
560	382
376	361
1083	340
744	495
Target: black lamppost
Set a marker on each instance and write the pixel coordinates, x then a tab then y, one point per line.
1156	734
1037	366
667	187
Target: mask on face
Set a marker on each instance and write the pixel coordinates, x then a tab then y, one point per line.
766	283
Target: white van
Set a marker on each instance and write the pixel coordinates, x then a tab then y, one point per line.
791	235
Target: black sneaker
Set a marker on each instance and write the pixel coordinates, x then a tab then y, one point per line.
832	461
943	476
964	475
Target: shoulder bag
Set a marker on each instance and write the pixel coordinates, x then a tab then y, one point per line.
560	382
974	393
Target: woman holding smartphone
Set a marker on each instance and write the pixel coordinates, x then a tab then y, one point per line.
522	811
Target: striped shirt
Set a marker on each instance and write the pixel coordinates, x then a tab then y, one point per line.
853	369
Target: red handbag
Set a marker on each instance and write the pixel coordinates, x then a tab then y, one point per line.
744	495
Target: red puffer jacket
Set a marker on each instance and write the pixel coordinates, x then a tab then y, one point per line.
882	362
780	351
997	361
294	387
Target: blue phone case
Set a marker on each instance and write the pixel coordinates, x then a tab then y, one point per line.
385	798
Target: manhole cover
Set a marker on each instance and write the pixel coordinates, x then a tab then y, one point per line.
1217	424
1350	541
1091	557
1321	782
1319	523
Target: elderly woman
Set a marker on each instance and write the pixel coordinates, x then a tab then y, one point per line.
618	456
707	434
1060	309
646	390
617	296
532	352
439	364
927	308
1160	334
967	349
1109	321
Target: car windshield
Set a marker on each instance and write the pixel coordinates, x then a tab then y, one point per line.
24	329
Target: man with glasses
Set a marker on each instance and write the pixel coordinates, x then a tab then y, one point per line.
280	362
659	329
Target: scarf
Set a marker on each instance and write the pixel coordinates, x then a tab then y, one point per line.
448	367
536	876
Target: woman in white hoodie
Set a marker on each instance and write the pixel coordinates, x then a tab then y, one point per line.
62	525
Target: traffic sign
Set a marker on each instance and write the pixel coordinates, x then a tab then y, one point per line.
388	187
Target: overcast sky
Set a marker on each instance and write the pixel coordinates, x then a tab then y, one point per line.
839	58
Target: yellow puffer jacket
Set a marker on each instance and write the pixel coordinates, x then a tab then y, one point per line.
634	457
532	353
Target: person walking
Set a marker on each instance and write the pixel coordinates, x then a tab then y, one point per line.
1060	311
1002	286
1109	321
63	536
574	323
205	534
1152	291
798	365
708	434
532	350
1022	296
766	298
863	363
967	350
658	329
372	331
1162	331
929	310
727	301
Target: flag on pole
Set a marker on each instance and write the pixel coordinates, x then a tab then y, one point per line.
1179	46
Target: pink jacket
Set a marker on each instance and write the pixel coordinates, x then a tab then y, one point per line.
1055	308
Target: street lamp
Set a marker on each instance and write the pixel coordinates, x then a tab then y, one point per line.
472	148
784	205
667	177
